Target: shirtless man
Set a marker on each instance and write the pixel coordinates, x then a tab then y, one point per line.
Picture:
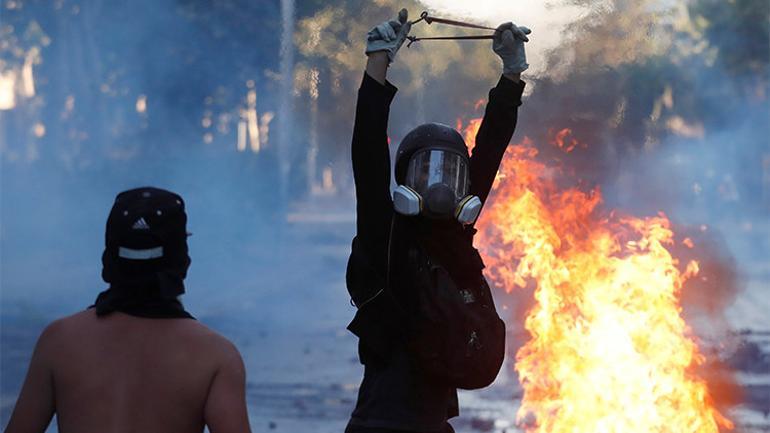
136	361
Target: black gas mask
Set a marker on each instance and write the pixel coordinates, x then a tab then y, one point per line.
432	172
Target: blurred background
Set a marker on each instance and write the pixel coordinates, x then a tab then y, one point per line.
245	108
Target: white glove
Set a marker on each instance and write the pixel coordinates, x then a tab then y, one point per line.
509	45
389	36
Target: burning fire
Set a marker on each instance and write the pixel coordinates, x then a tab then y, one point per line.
608	349
469	131
566	141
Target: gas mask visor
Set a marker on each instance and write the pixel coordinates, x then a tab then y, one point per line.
431	169
436	185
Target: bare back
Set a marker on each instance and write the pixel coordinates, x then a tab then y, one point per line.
121	373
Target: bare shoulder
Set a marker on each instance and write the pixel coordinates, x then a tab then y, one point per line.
61	329
198	330
218	346
57	336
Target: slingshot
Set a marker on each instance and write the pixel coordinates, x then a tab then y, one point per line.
430	20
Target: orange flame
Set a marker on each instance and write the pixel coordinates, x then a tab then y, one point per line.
565	140
608	349
469	131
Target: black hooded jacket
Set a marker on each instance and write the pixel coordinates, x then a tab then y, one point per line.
393	393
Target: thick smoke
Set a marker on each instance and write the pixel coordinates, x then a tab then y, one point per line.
111	95
573	35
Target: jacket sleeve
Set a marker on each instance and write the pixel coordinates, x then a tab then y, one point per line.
371	170
377	318
494	135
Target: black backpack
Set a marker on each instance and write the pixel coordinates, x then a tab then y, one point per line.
452	330
456	336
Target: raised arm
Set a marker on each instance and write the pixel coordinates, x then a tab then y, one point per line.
377	66
369	150
374	323
35	406
371	160
501	112
494	135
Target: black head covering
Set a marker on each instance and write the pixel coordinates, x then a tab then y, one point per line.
427	136
145	258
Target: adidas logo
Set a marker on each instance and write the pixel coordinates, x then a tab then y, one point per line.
140	224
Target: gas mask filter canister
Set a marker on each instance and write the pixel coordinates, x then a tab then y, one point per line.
408	202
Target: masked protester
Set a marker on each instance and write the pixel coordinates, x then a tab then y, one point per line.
136	360
425	317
